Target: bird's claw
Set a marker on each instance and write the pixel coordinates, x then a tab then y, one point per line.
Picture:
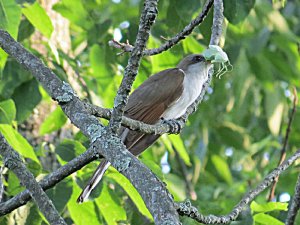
175	125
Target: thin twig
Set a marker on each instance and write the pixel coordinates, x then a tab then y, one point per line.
13	161
186	209
285	142
294	205
183	169
172	41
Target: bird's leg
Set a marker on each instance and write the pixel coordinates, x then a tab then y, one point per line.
174	124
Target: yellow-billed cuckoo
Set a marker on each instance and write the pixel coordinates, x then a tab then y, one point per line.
165	95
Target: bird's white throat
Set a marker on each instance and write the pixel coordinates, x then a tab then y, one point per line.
194	78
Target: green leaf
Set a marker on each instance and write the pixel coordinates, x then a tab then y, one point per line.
14	187
186	8
234	135
161	61
26	98
53	122
7	111
111	211
69	149
154	167
38	18
18	142
97	59
266	219
274	107
25	30
191	45
176	186
236	11
132	192
34	217
268	207
222	168
13	76
10	16
61	194
82	213
178	144
75	12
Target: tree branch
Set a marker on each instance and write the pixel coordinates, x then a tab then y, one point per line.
186	209
49	181
147	19
13	161
294	205
162	128
174	40
103	141
217	29
159	128
285	142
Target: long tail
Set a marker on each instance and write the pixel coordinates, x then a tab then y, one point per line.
97	176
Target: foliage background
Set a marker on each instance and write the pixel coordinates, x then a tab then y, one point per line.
228	146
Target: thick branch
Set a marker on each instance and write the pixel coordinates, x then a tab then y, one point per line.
186	209
174	40
104	142
14	162
146	21
294	205
49	181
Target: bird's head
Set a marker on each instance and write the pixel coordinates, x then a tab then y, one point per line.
194	63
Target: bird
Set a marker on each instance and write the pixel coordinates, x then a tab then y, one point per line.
165	95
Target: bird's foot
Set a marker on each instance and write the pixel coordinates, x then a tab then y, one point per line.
174	124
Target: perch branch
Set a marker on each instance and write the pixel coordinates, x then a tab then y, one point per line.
103	141
159	128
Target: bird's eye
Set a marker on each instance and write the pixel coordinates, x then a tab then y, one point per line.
198	58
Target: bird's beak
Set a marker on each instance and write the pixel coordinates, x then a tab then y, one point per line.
208	61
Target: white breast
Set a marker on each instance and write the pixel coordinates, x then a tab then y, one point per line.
192	86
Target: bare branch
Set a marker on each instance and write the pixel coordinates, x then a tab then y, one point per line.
49	181
285	142
294	205
159	128
1	184
147	19
13	161
217	27
186	209
103	141
125	47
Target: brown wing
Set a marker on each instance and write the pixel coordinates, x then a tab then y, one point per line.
149	101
